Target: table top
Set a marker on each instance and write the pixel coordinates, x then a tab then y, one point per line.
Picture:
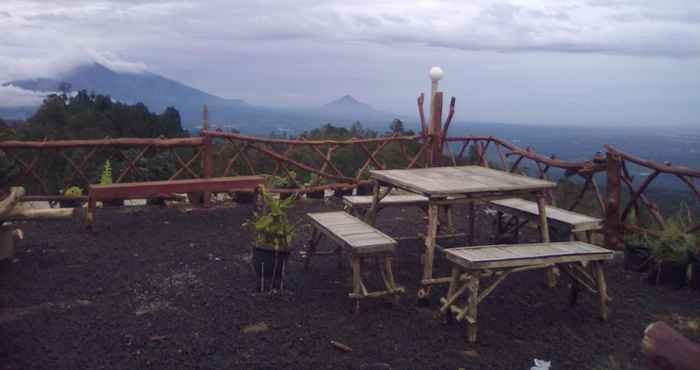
447	181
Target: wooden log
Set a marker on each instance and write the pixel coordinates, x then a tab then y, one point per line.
8	235
20	214
7	204
667	349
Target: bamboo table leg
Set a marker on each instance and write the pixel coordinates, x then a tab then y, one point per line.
602	288
544	231
356	282
472	221
429	254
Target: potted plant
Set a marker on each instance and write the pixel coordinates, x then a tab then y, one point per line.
671	253
316	180
694	270
72	191
284	182
365	186
106	179
273	234
637	253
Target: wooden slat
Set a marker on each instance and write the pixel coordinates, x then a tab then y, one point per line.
576	221
154	188
445	181
351	232
511	255
364	201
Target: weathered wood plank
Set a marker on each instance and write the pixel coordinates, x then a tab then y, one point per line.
575	221
510	255
352	233
444	181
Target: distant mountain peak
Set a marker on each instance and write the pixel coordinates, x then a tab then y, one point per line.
346	101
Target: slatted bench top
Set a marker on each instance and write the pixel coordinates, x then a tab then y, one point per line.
513	255
360	201
352	233
576	221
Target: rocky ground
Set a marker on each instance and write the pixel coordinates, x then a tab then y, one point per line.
173	289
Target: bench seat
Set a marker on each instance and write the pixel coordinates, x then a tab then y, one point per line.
582	262
560	219
361	240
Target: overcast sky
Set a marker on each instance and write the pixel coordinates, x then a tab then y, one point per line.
596	62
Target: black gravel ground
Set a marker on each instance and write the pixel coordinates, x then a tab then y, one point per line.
173	289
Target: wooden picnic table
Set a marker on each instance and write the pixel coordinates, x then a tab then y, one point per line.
452	185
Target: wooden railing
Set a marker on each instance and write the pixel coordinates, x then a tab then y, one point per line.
340	164
624	196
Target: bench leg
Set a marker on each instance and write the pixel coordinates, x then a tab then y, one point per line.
575	285
602	288
472	307
544	231
313	242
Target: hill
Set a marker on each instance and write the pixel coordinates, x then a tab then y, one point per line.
158	93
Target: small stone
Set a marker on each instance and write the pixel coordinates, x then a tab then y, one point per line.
256	328
471	353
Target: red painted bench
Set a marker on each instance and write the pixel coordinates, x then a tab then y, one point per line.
149	189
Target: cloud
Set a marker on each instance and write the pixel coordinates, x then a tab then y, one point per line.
12	97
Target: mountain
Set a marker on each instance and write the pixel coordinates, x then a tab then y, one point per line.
158	92
349	108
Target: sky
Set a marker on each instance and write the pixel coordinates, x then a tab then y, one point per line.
564	62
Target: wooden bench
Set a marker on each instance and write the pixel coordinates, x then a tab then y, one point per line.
568	222
582	262
362	241
358	205
148	189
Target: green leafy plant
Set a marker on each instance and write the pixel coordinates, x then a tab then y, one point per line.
271	227
365	173
634	238
106	177
283	182
674	243
73	191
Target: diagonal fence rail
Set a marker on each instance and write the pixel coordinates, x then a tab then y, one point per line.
605	187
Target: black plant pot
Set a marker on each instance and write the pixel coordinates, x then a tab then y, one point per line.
637	258
69	203
244	197
320	194
341	192
155	201
668	273
270	265
195	198
694	280
113	203
364	189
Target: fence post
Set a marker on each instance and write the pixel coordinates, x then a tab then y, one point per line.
435	125
614	231
206	154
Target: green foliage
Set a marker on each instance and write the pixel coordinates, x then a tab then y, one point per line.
283	182
106	177
272	227
90	116
674	243
73	191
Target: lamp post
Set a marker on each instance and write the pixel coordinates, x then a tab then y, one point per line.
434	126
